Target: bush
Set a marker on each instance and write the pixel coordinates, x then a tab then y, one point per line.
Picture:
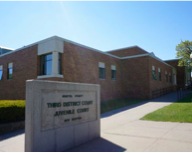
12	111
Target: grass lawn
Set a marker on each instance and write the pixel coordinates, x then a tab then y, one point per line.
118	103
180	111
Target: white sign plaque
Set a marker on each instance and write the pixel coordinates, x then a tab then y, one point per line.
64	108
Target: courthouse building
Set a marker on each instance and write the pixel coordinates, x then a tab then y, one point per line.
183	74
127	72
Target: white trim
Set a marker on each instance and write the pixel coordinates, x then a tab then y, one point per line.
1	47
92	49
147	54
62	39
135	56
113	67
160	60
51	45
171	60
153	67
135	46
101	65
50	76
55	63
10	65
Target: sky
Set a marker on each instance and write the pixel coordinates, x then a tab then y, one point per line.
154	26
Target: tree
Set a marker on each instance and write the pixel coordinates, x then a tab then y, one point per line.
184	49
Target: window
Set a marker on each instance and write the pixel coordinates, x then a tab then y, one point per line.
102	70
1	72
159	74
10	71
170	77
60	64
113	72
154	73
166	76
46	64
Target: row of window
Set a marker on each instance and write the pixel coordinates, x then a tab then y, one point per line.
168	78
47	60
9	71
102	71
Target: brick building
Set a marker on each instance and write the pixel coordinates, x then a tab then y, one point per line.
183	73
128	72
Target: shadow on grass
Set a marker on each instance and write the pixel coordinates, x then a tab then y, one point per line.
125	108
172	97
98	145
168	98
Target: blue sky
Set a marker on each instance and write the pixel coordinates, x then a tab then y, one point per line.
154	26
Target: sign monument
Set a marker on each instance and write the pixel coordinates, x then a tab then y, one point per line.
60	115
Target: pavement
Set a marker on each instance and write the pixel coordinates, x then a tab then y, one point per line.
122	130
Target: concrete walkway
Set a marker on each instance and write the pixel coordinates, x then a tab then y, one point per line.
121	130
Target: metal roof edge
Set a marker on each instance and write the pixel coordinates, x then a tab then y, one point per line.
63	39
171	60
134	46
135	56
157	58
2	47
93	49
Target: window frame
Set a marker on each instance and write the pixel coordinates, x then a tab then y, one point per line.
166	76
113	72
170	78
102	71
10	71
1	72
154	75
60	63
159	74
44	64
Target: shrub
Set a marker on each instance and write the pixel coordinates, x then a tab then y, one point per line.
12	111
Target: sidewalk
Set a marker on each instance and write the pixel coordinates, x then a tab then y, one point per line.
121	130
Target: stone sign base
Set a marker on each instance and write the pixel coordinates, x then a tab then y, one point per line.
60	115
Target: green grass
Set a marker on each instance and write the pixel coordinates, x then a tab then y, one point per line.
12	111
180	111
118	103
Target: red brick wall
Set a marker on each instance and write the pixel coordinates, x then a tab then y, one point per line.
156	85
136	77
24	68
180	73
128	52
81	65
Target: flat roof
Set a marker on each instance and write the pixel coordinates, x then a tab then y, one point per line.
6	48
135	46
93	49
171	60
